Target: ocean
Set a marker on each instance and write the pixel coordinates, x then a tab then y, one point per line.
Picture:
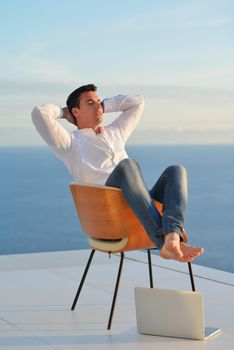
37	212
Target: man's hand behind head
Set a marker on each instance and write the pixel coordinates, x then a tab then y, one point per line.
67	115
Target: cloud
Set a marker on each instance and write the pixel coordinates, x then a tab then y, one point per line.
183	136
203	13
27	66
28	137
49	71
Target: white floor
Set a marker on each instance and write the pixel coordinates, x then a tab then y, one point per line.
37	291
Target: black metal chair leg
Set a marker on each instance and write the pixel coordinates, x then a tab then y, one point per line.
191	276
116	291
150	269
83	279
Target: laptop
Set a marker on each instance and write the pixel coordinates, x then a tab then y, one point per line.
171	313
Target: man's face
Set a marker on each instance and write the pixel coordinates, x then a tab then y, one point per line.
89	114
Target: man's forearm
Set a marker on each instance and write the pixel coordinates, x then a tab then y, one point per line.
121	103
131	108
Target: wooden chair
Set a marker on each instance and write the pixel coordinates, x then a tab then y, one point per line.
112	227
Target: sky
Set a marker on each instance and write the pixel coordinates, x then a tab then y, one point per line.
178	54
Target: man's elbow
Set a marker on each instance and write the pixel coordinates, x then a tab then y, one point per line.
40	115
141	98
36	113
140	101
40	112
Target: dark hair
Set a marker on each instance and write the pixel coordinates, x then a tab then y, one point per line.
73	99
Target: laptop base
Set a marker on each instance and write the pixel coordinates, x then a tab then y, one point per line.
171	313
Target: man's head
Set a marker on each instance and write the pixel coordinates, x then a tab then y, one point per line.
85	105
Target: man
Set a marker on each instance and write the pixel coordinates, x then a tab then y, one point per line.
96	154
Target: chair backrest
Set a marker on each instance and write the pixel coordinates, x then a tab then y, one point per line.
105	215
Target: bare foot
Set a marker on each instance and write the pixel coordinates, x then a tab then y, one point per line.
179	251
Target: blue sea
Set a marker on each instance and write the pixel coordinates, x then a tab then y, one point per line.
37	212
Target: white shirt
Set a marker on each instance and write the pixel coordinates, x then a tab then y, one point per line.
90	157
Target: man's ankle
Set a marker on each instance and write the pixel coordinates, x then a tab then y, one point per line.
171	236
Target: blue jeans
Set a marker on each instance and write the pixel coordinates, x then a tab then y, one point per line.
170	189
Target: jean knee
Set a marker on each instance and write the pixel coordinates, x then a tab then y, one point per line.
127	165
177	171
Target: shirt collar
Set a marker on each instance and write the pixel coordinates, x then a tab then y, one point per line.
90	131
